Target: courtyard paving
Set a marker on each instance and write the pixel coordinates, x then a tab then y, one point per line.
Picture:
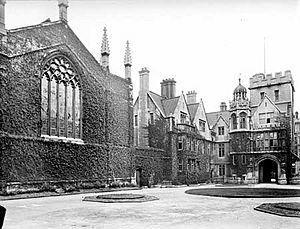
174	209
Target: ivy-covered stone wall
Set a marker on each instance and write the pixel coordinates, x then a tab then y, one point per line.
106	112
152	162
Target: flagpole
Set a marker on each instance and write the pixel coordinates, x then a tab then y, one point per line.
264	55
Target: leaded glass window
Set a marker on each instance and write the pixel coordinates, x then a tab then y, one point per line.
60	99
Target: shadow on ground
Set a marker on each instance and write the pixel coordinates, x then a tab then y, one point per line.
246	192
283	209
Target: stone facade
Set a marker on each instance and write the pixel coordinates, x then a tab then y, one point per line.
101	151
260	133
185	135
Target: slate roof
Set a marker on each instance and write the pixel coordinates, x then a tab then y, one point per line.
193	109
157	100
170	105
167	106
46	36
213	117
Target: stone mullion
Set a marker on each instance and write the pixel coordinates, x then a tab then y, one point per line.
66	112
49	108
73	112
57	108
80	116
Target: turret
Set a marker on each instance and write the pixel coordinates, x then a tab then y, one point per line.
127	62
105	51
63	5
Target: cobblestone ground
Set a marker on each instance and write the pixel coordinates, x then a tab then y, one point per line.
174	209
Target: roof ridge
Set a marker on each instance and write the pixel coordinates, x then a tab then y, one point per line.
156	94
34	26
177	97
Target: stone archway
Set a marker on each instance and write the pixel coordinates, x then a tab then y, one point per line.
268	170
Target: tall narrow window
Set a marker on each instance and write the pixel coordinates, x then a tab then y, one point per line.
234	121
180	165
243	117
135	120
221	150
151	118
180	143
221	170
60	99
262	95
53	107
44	106
276	93
244	159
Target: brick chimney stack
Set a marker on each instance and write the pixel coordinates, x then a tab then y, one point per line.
191	97
168	88
223	106
143	106
2	18
63	14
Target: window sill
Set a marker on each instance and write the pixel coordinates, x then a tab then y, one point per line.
62	139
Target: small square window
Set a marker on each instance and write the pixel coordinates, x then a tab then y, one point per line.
221	130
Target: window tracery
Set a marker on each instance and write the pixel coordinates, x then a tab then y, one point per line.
61	99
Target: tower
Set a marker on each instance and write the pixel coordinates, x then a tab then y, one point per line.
239	131
239	109
127	62
105	51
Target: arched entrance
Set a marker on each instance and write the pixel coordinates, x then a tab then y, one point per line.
268	171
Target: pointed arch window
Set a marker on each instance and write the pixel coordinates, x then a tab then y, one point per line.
60	99
243	120
234	121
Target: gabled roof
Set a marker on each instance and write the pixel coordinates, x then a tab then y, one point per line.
157	99
221	117
213	117
52	35
193	110
266	97
170	105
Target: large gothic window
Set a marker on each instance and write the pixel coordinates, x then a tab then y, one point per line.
61	99
234	121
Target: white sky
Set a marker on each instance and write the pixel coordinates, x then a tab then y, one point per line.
204	45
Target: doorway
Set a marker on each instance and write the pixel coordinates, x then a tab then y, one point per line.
138	174
268	171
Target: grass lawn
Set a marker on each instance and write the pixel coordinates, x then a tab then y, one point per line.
246	192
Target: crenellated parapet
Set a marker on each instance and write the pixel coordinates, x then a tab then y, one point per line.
262	80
